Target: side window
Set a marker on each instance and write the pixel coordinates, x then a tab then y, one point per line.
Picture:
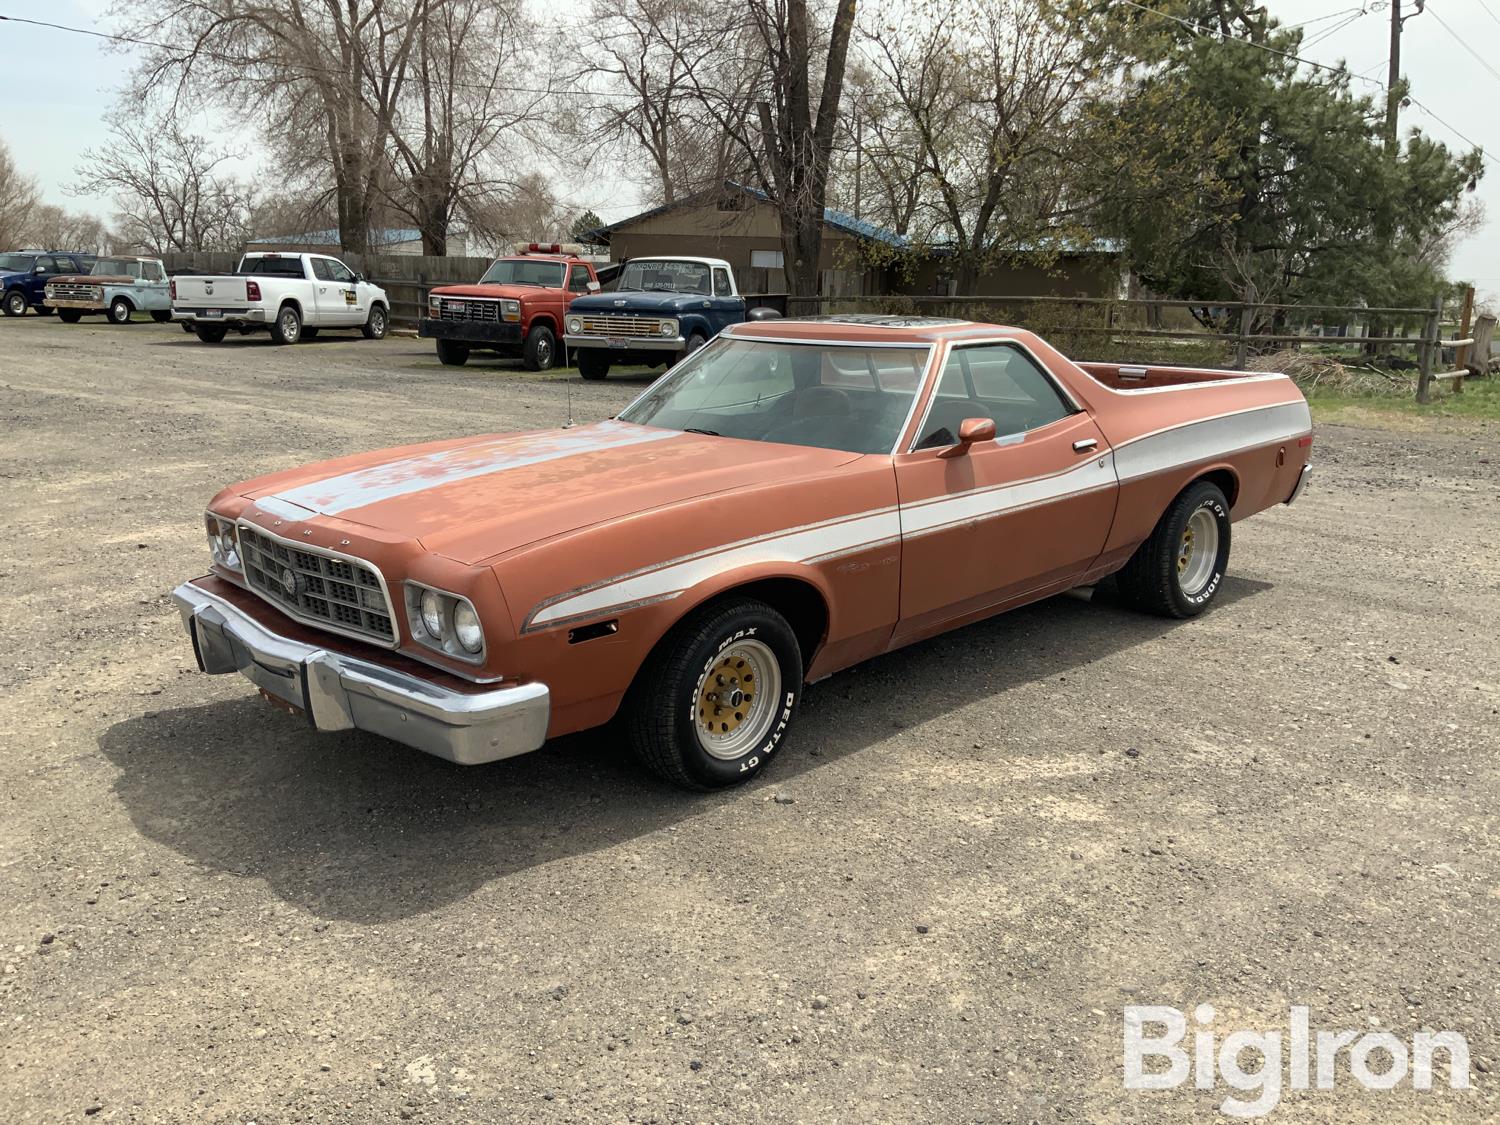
991	381
46	264
320	269
722	287
337	271
154	272
578	280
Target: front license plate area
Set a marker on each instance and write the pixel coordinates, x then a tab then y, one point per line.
282	705
618	342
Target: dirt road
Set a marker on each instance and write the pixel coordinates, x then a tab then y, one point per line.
974	854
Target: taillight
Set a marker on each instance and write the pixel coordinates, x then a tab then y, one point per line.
252	290
1304	441
172	289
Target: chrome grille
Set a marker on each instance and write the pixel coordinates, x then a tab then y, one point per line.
75	291
621	326
480	309
344	595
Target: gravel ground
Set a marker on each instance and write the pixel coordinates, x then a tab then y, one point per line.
935	905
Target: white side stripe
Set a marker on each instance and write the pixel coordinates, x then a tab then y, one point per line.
371	485
1172	448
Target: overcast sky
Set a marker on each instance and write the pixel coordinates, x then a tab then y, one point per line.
62	85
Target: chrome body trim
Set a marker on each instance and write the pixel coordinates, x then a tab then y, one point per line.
634	343
340	692
231	316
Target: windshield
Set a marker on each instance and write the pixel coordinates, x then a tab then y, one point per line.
117	267
824	395
524	271
656	275
16	263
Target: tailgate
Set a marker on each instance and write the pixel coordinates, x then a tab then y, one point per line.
211	291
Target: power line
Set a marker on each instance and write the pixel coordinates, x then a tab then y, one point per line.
1480	59
1197	31
1485	8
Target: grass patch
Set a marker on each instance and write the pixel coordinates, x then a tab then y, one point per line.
1477	408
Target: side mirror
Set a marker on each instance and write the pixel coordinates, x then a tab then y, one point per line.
970	431
594	286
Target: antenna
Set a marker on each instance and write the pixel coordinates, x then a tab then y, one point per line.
569	423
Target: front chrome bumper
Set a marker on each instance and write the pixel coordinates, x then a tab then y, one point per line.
88	304
628	343
1300	485
341	692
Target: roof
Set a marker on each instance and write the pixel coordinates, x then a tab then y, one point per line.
681	258
388	236
839	220
870	329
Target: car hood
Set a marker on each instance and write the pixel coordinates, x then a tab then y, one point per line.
91	279
635	301
6	278
476	498
513	292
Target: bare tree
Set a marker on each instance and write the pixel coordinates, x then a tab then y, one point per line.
169	186
457	111
18	197
51	227
529	212
989	90
333	70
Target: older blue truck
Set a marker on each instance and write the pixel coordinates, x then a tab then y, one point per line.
24	275
660	309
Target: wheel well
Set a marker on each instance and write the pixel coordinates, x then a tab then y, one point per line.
122	297
801	603
1225	481
296	304
544	320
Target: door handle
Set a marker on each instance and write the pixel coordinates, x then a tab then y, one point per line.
1084	445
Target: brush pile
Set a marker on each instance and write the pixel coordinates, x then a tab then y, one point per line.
1327	375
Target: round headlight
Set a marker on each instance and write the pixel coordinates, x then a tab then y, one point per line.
668	328
466	627
575	325
432	613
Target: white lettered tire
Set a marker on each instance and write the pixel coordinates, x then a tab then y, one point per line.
716	698
1179	570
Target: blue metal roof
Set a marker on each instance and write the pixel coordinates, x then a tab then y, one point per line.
386	237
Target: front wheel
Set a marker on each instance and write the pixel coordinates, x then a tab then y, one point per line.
161	316
210	333
375	324
451	353
593	363
287	328
540	352
69	316
15	303
1179	570
119	311
715	699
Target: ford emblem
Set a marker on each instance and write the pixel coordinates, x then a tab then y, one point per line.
620	304
289	581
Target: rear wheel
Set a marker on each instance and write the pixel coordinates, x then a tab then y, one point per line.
452	353
593	363
210	333
161	316
120	310
540	352
69	316
287	328
376	323
714	700
1179	570
15	303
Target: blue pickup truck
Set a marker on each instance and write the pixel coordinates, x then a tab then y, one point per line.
24	275
659	310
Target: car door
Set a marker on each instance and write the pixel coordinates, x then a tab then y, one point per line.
1027	511
153	287
728	308
328	297
354	296
42	272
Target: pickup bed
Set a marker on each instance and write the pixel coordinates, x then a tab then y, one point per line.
292	296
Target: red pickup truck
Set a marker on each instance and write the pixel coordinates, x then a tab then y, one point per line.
515	309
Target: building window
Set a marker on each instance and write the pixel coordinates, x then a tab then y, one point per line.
767	260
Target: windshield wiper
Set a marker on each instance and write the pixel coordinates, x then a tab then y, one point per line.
695	430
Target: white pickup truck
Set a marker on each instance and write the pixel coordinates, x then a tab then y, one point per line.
291	295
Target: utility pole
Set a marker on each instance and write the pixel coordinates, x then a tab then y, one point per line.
1393	78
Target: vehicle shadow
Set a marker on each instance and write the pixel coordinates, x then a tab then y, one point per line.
354	827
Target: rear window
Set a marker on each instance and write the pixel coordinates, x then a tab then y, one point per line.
274	267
